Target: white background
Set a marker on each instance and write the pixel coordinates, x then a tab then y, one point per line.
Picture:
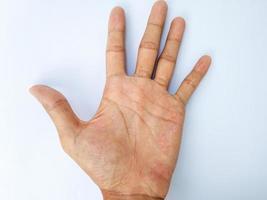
61	43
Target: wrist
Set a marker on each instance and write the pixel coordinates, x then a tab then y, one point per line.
109	195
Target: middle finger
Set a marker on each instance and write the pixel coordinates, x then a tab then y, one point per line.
149	46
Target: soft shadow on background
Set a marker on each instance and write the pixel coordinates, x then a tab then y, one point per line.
62	44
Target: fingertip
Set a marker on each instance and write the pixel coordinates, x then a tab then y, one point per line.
203	64
179	21
207	59
31	89
177	27
40	92
118	10
158	13
116	14
117	19
161	3
45	94
34	89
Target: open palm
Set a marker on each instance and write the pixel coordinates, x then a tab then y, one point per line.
131	144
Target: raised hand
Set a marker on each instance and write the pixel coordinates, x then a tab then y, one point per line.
130	146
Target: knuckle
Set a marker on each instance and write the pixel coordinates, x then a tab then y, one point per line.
142	72
115	48
180	98
197	74
190	82
57	104
168	58
161	81
157	25
116	31
148	45
175	40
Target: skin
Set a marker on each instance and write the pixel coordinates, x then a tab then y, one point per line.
130	146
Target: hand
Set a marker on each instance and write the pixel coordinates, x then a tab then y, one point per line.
130	146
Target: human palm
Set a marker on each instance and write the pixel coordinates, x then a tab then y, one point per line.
130	146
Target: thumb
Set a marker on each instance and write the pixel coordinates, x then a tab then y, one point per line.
58	108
